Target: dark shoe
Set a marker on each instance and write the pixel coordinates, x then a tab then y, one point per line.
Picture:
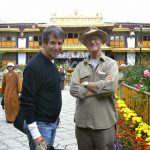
52	148
9	122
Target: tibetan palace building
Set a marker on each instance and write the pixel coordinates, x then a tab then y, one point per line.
19	42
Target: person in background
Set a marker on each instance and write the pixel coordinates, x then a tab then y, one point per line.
41	99
74	64
11	89
94	83
62	76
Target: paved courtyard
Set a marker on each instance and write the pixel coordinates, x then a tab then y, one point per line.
12	139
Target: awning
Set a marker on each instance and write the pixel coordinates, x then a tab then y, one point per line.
143	29
65	48
76	25
81	48
31	30
121	30
9	30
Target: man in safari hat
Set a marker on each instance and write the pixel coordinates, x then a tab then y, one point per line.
93	83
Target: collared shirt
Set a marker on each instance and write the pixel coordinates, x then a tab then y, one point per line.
96	112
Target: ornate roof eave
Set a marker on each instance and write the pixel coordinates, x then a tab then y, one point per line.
76	48
130	50
65	48
9	30
76	25
121	30
20	49
143	29
82	48
31	30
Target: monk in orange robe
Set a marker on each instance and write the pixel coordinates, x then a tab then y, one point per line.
11	87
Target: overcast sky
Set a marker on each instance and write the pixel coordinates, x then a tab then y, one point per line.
39	11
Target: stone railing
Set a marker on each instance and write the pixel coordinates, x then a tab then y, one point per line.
136	100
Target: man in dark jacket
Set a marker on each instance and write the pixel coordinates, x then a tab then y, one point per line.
41	94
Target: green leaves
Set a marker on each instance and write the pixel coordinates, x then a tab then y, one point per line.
134	75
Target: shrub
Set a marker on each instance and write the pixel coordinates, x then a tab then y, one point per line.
137	76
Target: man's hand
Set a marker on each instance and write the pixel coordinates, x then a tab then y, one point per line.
108	77
40	140
90	94
82	84
92	86
19	94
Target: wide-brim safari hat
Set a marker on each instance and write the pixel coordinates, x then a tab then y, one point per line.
10	64
93	31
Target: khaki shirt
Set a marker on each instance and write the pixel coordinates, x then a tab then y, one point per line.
96	112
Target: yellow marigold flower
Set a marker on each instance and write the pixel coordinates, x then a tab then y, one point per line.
133	114
127	110
141	129
148	133
138	119
125	115
117	96
147	139
139	132
136	129
138	135
145	131
122	105
122	109
120	100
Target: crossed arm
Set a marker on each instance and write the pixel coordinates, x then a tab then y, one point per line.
103	87
92	88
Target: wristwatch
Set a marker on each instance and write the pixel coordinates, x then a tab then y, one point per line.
86	83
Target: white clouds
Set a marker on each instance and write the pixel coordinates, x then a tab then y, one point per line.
40	11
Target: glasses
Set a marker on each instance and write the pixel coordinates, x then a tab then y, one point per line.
93	38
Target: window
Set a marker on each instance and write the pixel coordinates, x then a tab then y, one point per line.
121	38
75	35
36	38
40	40
13	38
30	38
145	42
70	35
3	38
117	38
7	57
65	36
112	38
34	41
8	41
144	38
8	38
117	41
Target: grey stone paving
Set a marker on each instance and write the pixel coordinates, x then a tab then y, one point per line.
12	139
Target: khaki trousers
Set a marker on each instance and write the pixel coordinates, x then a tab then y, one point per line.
89	139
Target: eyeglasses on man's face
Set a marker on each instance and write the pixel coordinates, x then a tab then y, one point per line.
93	38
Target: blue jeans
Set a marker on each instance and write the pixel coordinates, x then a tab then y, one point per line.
47	130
